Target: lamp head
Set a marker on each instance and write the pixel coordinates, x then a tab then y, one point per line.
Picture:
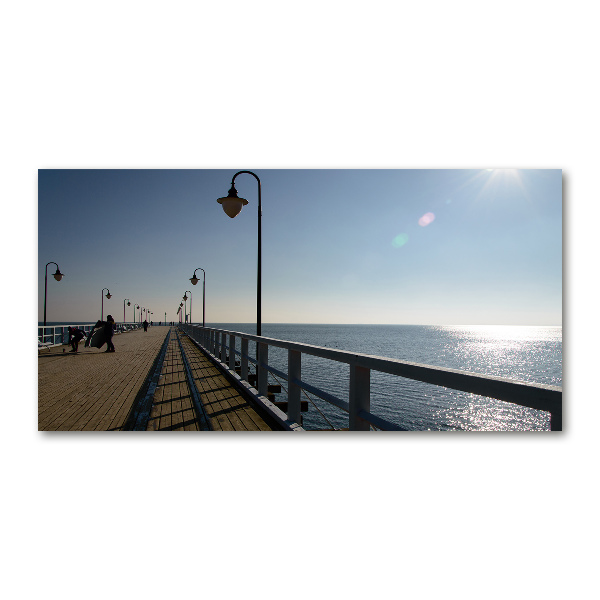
232	205
58	275
194	280
185	296
129	304
108	296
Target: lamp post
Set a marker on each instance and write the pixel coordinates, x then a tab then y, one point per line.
232	205
134	307
194	281
108	297
185	298
128	304
58	276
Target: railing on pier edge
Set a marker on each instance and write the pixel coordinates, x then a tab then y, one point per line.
215	341
56	335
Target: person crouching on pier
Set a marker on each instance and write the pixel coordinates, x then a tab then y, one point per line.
75	336
109	330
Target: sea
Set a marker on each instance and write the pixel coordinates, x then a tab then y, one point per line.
520	353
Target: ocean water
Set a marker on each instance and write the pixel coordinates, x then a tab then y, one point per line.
524	353
532	354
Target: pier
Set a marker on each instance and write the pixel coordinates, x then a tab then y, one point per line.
155	381
200	379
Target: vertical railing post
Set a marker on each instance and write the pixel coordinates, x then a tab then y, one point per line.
262	358
294	372
244	361
360	396
223	347
232	352
556	420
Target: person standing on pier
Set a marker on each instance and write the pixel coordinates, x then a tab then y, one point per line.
75	336
145	325
109	330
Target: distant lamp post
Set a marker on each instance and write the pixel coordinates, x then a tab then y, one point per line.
185	298
232	205
128	304
194	281
108	297
134	307
58	276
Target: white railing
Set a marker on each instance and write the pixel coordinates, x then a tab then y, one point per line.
56	335
220	342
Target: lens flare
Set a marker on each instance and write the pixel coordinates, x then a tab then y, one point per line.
400	240
426	219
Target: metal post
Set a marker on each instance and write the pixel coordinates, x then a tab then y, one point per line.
46	287
259	270
360	397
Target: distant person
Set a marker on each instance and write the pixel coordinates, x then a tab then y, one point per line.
109	330
145	325
151	324
75	336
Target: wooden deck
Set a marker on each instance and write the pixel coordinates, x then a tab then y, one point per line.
226	408
96	391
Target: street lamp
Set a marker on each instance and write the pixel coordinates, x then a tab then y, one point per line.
58	276
128	304
185	298
108	297
232	205
194	281
134	307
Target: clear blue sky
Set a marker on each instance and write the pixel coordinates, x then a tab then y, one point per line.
339	246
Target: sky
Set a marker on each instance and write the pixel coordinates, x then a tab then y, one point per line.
395	246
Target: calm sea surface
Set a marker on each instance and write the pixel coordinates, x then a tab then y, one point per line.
532	354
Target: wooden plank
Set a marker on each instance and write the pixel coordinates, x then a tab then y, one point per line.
90	389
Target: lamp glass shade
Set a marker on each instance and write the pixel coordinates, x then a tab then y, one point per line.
129	304
185	296
108	295
194	280
58	275
232	206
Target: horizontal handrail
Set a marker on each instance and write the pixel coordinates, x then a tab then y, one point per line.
532	395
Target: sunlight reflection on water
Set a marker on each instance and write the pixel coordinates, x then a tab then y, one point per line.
532	354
